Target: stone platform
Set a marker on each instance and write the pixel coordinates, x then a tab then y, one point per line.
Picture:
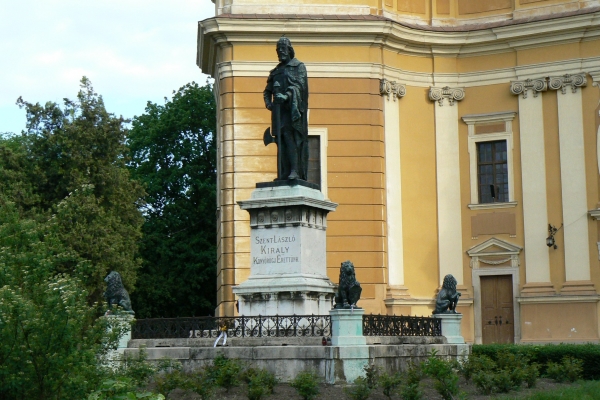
288	272
286	361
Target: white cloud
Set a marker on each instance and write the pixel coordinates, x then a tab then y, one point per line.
132	51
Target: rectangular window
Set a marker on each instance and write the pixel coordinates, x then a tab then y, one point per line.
492	171
314	159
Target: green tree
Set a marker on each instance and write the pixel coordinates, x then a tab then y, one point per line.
78	151
173	154
49	336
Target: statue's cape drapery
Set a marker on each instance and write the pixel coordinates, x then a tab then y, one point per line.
297	85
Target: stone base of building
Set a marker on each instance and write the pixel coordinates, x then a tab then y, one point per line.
560	318
335	364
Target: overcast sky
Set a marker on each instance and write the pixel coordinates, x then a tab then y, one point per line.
132	51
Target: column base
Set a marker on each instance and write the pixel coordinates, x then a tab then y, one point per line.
534	289
578	288
395	301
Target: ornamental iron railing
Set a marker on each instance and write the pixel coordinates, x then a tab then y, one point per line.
236	327
392	325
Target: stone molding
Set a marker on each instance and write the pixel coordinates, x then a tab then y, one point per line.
535	85
391	89
562	82
451	94
481	253
289	216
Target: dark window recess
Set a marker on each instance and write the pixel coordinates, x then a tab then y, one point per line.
492	172
314	159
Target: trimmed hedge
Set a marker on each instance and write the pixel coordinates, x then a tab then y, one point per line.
589	353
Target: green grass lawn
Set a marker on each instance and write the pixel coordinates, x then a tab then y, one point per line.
583	390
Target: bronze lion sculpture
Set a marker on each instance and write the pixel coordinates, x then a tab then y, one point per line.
349	288
116	293
447	298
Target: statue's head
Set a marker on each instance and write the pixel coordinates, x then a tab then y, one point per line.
449	282
285	51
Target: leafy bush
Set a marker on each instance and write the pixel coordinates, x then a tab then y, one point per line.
137	368
509	371
541	354
306	384
411	391
503	382
260	382
531	374
475	364
569	370
225	372
484	381
50	337
445	379
202	383
389	383
121	389
372	373
360	390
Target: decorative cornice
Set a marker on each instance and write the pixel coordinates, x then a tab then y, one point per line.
561	82
451	94
535	85
391	89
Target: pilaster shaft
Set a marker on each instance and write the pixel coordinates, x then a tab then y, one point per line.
572	171
533	175
450	250
393	180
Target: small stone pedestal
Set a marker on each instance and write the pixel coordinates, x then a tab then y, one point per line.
114	357
347	327
288	271
347	335
451	327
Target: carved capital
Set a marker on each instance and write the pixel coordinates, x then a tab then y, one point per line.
391	88
451	94
522	87
561	82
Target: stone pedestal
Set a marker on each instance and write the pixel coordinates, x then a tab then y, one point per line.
451	327
347	335
288	272
347	327
113	357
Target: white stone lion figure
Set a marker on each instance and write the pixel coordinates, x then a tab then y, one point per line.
116	293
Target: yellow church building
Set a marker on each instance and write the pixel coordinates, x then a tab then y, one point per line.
457	136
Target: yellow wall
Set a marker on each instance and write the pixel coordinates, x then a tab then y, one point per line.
351	109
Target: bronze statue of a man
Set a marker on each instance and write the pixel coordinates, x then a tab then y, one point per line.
286	96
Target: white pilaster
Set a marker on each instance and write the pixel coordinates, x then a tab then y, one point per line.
572	171
533	175
393	180
448	181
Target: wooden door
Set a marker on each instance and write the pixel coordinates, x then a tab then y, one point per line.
497	311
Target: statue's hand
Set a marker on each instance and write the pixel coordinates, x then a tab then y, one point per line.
281	97
269	106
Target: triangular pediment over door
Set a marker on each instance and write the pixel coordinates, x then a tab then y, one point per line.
495	252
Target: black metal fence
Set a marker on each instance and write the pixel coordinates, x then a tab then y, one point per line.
247	327
279	326
391	325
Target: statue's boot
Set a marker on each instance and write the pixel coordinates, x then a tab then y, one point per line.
293	175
